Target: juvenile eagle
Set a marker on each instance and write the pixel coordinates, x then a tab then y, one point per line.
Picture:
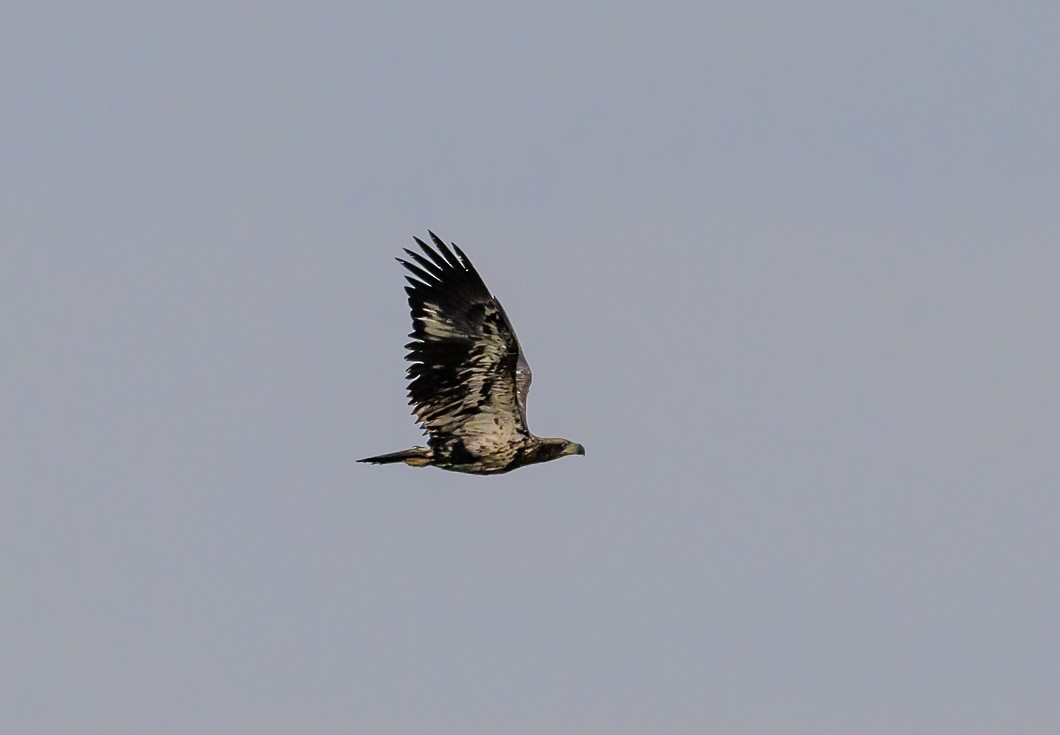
468	378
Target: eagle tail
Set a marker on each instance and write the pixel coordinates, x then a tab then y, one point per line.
415	457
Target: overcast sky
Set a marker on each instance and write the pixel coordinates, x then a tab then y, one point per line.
788	271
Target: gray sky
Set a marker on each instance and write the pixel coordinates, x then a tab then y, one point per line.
788	273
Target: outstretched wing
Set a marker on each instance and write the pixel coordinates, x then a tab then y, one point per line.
468	379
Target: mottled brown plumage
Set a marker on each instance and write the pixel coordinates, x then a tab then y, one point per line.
468	379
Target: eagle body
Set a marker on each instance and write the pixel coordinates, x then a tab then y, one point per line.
468	379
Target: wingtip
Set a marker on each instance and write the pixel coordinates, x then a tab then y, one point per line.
446	253
438	256
463	258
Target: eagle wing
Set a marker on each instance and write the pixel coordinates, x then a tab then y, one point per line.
468	379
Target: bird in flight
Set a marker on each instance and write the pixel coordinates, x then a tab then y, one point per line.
468	378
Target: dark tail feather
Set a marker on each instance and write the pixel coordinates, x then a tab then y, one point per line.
417	457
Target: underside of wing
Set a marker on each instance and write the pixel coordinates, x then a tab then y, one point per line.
467	377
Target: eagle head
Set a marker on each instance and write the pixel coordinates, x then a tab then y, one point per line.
571	448
545	450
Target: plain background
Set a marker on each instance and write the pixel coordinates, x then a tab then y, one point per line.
788	271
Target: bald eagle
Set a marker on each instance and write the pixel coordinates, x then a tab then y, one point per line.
468	378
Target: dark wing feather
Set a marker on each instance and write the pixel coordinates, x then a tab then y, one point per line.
467	378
